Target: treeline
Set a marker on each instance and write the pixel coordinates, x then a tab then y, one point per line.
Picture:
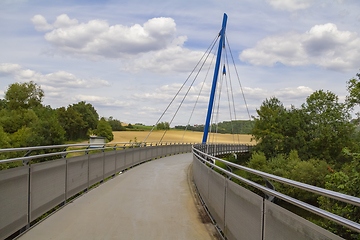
232	127
317	144
26	122
163	126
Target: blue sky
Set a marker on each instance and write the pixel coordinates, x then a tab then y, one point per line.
129	58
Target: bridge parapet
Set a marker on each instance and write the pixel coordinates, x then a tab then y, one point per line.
242	214
29	191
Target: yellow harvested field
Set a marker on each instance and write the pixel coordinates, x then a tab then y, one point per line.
176	136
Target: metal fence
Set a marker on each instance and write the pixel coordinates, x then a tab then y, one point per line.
29	191
242	214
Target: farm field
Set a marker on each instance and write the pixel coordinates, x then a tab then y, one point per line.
176	136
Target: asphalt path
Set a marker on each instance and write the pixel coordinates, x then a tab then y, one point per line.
155	200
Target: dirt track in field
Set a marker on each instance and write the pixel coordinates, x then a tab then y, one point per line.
177	136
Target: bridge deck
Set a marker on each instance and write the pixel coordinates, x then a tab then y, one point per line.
152	201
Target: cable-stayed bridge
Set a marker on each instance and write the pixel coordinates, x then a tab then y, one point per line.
152	190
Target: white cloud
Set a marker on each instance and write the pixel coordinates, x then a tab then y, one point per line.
174	58
52	83
8	68
284	94
97	39
102	101
324	45
167	92
290	5
152	46
40	23
300	93
63	21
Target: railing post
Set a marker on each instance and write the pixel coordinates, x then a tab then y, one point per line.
66	180
88	173
29	198
115	159
103	152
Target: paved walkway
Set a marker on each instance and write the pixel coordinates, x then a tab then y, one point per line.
155	200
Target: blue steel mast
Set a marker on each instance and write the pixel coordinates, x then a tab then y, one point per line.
216	73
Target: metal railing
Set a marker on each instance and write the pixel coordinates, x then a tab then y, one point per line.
206	159
29	191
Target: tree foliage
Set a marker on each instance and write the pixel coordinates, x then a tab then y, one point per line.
23	95
115	124
77	119
104	130
313	145
321	128
330	128
353	87
163	126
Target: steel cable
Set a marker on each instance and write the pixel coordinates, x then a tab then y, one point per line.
215	39
188	90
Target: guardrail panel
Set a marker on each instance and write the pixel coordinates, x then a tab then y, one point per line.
182	148
136	155
149	152
196	171
47	186
129	157
217	197
203	184
143	153
243	213
154	151
110	158
163	151
282	224
77	174
120	160
168	149
96	168
173	149
13	200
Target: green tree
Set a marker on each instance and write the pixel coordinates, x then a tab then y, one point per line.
347	181
330	128
23	95
353	87
24	137
115	124
104	130
89	116
77	120
163	126
13	120
72	122
4	139
268	127
48	128
3	104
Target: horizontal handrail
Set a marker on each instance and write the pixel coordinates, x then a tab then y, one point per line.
324	192
99	146
29	192
83	144
333	217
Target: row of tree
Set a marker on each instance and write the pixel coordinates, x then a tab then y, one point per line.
25	121
315	144
232	127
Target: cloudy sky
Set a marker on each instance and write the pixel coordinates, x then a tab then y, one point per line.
129	58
